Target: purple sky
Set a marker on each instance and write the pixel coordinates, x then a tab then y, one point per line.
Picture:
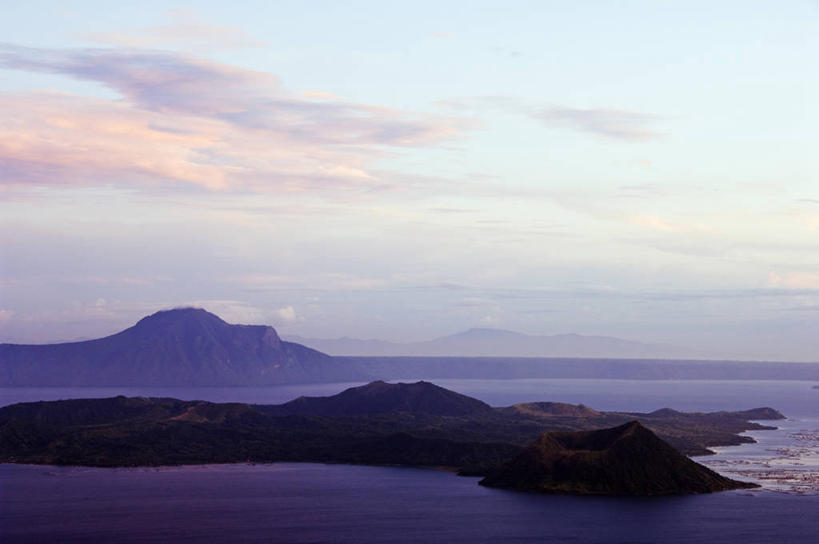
635	169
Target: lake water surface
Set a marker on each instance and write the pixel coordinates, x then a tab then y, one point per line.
340	503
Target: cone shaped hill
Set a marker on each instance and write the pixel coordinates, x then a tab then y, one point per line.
624	460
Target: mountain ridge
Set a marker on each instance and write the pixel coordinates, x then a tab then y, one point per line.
491	342
382	397
182	346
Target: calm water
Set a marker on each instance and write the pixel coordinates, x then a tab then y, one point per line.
339	503
321	503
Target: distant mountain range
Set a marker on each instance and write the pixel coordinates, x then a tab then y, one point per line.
191	347
181	347
502	343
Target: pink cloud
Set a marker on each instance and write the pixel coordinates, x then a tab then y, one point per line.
190	120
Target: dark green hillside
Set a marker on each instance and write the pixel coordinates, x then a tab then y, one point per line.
380	397
624	460
380	423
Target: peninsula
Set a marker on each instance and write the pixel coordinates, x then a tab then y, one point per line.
418	424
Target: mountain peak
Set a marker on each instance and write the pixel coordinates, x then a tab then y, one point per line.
492	342
182	314
625	460
552	409
382	397
487	332
181	346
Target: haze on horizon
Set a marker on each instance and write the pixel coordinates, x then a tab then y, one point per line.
403	172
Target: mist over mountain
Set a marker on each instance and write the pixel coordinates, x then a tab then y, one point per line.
185	346
487	342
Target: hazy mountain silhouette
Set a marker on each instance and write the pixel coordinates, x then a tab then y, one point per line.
186	346
624	460
483	342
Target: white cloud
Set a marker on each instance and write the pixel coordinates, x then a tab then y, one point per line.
489	320
287	314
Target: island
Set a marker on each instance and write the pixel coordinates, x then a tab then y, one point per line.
415	424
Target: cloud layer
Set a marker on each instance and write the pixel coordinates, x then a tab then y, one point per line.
615	124
611	123
187	119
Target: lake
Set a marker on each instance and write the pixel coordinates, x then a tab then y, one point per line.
340	503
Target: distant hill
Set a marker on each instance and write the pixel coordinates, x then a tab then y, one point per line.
624	460
504	368
501	343
380	397
553	409
181	347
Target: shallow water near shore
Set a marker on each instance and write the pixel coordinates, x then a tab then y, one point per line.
342	503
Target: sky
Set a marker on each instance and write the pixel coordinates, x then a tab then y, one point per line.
403	171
